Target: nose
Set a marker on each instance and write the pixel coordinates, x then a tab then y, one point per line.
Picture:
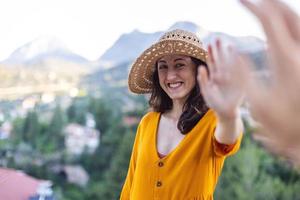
171	75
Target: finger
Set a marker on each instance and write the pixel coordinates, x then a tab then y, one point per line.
217	54
219	51
203	79
246	66
211	63
277	145
269	142
218	62
233	60
265	113
279	148
211	60
226	58
273	23
256	94
241	68
211	57
291	18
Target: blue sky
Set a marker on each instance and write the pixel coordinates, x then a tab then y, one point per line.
89	27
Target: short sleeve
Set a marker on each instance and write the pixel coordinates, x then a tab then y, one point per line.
226	149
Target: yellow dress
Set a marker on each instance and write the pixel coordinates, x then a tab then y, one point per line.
189	172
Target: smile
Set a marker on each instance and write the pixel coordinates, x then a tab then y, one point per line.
175	85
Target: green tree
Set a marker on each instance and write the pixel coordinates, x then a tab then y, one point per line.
54	136
116	173
17	132
31	128
76	111
103	113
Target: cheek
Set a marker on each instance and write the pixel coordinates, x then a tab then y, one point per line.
192	83
191	77
161	78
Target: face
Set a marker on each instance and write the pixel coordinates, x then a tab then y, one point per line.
176	75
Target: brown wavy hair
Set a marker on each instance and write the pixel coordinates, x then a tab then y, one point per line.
194	108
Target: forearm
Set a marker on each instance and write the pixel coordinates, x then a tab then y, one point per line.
228	129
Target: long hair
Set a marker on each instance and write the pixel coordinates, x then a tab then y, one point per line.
193	109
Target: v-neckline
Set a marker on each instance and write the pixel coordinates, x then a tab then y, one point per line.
155	140
180	144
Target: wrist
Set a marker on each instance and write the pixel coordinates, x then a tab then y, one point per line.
229	116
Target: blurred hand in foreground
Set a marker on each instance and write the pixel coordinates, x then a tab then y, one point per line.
276	105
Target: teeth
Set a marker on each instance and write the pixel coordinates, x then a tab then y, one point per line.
174	85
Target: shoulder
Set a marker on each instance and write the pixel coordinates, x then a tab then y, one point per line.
147	124
149	117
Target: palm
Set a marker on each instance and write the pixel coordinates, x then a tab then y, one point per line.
223	89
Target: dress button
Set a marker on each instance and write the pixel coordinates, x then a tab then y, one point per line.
160	164
159	184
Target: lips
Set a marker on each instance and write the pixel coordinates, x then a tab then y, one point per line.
175	85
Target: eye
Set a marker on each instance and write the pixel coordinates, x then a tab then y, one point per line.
161	67
179	65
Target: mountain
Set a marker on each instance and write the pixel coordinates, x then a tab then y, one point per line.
130	45
50	51
127	47
109	77
41	49
248	44
44	65
39	59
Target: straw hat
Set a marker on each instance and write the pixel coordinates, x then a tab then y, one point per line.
174	42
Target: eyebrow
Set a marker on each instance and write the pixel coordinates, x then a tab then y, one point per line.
177	59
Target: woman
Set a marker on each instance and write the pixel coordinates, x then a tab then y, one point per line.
180	147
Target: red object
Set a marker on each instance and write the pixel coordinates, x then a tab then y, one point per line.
16	185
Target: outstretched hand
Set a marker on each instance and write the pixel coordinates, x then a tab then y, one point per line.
277	106
221	85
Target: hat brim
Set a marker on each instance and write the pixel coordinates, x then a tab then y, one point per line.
140	76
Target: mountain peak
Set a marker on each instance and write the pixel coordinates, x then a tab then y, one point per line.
186	25
41	45
128	46
41	48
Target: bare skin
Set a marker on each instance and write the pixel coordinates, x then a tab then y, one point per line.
168	137
177	78
276	106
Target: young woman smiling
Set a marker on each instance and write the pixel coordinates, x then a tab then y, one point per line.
181	145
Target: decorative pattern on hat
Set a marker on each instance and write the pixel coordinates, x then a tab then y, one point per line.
174	42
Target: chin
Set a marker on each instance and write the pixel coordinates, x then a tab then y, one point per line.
178	97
